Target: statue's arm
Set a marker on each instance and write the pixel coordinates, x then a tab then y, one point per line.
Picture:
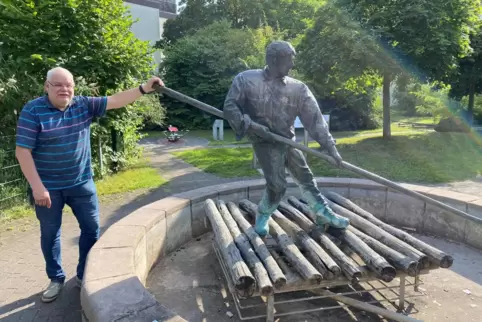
310	115
233	108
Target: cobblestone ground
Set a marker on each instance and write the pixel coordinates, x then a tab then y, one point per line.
22	271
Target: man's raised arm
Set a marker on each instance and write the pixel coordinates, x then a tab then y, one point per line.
127	97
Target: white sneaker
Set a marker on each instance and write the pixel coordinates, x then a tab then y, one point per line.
52	291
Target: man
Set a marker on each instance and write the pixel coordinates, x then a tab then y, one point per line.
54	153
260	101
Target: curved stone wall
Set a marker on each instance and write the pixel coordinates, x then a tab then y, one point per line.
118	264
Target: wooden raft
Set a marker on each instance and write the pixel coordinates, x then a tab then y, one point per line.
302	256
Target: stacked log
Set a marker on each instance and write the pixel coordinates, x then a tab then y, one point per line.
242	242
304	254
435	255
274	271
287	245
242	278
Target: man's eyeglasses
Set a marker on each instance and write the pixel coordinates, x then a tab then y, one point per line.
59	85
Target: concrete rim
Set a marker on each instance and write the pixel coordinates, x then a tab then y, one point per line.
119	263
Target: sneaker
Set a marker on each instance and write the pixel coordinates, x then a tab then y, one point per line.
52	291
325	216
262	227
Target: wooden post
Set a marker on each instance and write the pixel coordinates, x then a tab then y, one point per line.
288	247
435	255
264	283
274	271
243	280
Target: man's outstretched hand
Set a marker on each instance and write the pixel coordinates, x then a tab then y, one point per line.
149	85
333	152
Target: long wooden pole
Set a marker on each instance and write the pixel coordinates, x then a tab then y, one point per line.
345	165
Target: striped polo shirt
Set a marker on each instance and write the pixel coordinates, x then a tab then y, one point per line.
60	140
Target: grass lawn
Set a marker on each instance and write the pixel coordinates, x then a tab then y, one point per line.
138	176
420	157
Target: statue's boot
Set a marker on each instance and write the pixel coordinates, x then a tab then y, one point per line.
261	226
326	216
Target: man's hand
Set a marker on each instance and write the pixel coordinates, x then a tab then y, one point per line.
42	197
149	86
257	129
333	152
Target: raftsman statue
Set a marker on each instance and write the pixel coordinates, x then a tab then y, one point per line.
260	101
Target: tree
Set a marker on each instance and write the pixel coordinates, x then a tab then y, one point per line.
291	16
422	38
202	65
467	80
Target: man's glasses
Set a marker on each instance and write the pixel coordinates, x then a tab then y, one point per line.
60	85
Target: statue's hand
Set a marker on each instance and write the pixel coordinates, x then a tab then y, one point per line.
260	131
333	152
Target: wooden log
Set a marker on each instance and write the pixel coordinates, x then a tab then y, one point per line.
400	261
274	271
319	258
381	235
368	307
242	278
374	261
242	242
435	255
349	268
288	247
292	277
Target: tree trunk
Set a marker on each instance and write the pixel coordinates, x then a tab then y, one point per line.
242	242
243	280
288	247
435	255
274	271
387	80
470	111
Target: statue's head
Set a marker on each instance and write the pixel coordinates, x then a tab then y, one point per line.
280	57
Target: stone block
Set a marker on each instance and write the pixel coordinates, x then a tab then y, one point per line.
122	298
156	243
179	229
120	236
109	262
444	224
329	182
171	204
343	191
255	195
404	211
199	221
234	196
365	184
146	217
200	194
473	234
475	208
371	200
140	260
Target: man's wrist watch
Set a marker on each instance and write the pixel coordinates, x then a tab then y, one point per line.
143	92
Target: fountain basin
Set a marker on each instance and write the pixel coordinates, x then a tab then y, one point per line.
119	264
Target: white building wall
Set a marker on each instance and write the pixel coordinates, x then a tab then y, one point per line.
148	25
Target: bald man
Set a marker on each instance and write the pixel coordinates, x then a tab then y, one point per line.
54	152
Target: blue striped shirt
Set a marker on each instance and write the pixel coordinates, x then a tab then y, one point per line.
60	140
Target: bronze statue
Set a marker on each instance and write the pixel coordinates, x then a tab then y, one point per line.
264	100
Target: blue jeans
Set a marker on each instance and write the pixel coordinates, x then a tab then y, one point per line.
83	201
